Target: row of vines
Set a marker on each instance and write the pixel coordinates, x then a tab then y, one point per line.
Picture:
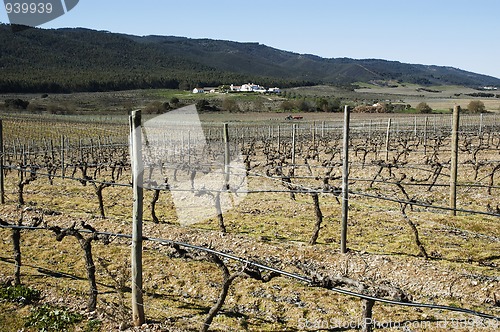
397	166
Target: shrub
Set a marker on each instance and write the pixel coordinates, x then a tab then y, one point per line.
17	103
174	101
204	106
287	105
476	106
376	108
230	105
423	108
157	107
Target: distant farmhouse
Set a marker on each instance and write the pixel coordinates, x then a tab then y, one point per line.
249	87
205	90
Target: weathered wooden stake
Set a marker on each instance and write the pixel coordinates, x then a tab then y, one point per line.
52	152
189	147
183	152
425	134
227	155
2	188
454	160
279	138
345	182
137	174
63	171
313	132
294	143
367	316
480	123
387	140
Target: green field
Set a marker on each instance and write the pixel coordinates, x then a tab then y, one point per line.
441	99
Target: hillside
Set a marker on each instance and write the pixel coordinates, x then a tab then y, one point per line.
68	60
250	58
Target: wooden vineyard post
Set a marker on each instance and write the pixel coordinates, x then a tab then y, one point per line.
2	188
387	140
415	127
345	182
227	156
425	135
481	124
138	317
279	138
313	132
294	143
130	146
454	161
52	153
63	172
189	147
183	152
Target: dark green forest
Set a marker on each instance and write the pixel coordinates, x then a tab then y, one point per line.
76	60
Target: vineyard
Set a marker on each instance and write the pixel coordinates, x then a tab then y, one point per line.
275	226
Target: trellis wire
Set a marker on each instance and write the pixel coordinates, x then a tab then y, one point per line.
290	275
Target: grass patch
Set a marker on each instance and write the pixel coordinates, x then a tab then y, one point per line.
48	318
12	316
93	325
20	294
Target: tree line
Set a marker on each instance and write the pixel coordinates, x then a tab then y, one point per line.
80	60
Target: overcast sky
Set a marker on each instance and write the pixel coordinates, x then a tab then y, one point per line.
457	33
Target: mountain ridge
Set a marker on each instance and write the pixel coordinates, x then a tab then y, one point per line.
80	59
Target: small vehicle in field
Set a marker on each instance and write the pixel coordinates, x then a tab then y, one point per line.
294	117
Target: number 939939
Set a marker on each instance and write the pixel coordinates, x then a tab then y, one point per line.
29	7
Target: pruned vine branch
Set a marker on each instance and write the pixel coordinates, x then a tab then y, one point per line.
86	244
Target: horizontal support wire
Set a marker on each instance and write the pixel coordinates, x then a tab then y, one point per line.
295	188
113	184
443	226
290	275
429	206
299	189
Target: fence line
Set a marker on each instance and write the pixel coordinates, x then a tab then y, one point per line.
299	132
300	189
261	266
416	125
